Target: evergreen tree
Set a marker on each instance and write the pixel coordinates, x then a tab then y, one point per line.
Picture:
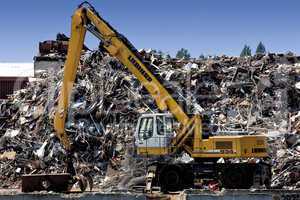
201	57
168	56
183	53
159	52
246	51
261	49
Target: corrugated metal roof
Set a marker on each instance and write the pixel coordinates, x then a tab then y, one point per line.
16	69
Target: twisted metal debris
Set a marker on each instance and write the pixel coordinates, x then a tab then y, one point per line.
235	95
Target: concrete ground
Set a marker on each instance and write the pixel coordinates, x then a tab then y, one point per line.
187	195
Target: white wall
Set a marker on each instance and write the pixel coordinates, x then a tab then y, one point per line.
16	70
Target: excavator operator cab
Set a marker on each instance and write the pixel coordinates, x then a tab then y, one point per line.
154	133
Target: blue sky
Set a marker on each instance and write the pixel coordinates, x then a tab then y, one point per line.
211	27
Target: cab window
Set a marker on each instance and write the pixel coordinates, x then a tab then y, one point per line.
164	127
160	125
169	125
146	128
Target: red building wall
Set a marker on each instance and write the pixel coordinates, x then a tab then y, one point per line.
10	84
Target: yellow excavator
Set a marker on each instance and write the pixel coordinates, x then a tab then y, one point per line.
154	134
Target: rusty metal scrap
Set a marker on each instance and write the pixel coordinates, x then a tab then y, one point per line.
236	96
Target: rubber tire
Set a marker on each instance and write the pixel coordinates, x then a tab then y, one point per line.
171	179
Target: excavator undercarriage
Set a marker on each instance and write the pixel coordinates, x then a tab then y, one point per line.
176	177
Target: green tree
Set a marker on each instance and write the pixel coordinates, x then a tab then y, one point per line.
261	49
167	56
183	53
246	51
159	52
201	57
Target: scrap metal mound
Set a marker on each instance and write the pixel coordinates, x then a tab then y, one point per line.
247	95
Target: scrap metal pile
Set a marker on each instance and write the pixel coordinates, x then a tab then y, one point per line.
237	95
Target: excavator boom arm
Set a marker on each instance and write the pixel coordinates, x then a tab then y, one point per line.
86	18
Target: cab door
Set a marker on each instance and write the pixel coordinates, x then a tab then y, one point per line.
152	136
144	134
164	130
